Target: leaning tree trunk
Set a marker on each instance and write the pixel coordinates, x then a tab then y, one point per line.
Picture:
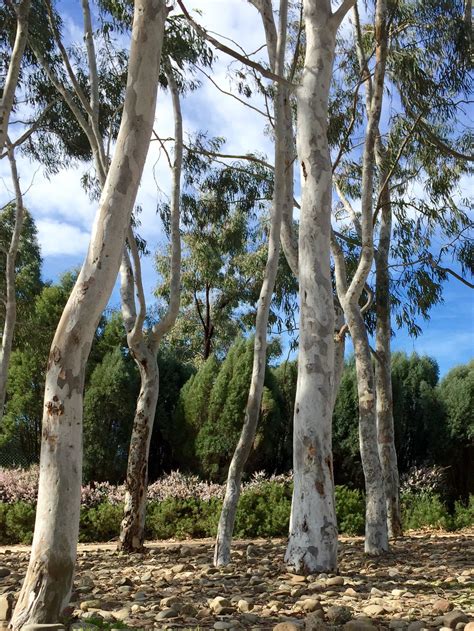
144	349
247	436
376	538
383	370
47	586
312	545
10	297
11	81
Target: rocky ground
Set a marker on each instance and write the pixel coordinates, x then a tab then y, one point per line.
426	582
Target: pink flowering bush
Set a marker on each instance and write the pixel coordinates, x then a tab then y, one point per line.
21	485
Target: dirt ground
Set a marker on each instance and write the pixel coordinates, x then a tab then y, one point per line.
425	582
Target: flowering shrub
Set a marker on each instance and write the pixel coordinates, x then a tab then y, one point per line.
21	485
424	480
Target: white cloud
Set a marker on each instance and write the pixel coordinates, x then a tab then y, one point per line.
58	238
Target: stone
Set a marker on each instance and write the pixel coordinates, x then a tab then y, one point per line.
469	626
360	624
221	606
315	622
169	601
286	626
223	624
167	613
4	571
416	625
43	627
90	604
309	605
244	606
374	611
442	606
83	626
452	618
121	614
335	581
397	624
6	606
338	614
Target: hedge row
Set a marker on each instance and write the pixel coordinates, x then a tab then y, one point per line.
262	513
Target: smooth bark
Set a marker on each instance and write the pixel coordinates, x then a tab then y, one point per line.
312	545
383	369
22	10
10	293
144	349
252	410
47	586
376	535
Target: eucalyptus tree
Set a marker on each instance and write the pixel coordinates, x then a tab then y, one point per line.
415	186
312	544
283	189
224	231
49	577
144	348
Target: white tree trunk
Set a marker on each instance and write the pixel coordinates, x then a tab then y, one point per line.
22	10
312	545
247	437
144	349
47	586
376	536
383	370
10	297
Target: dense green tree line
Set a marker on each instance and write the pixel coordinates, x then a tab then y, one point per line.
201	407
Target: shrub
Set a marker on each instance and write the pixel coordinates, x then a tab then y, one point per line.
425	509
19	522
182	518
264	511
463	515
350	511
100	523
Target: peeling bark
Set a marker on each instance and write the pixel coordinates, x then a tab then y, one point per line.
144	349
247	437
22	10
10	297
312	545
47	586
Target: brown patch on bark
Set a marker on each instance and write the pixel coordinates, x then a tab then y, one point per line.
55	407
319	486
303	168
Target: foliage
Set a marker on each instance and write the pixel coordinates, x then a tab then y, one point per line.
27	266
457	393
100	523
350	510
109	406
264	511
423	510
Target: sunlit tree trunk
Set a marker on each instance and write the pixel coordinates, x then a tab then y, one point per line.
47	586
312	545
144	349
247	437
383	369
22	10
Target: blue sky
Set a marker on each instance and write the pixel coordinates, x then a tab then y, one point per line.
64	214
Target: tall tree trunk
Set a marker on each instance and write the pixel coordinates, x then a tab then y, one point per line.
144	349
376	537
312	545
247	437
47	586
10	298
383	369
22	10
